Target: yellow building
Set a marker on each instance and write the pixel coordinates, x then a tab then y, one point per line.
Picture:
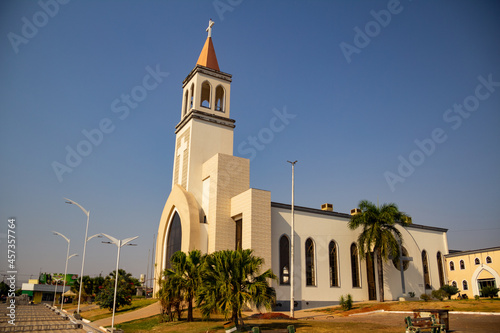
470	271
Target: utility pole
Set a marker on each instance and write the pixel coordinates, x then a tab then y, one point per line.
292	236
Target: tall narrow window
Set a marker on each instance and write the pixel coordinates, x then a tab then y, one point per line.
205	94
356	283
425	264
191	99
465	286
219	99
440	269
284	260
174	238
454	283
452	266
185	103
310	276
462	264
239	234
334	275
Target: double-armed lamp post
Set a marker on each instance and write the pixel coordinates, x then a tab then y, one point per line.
292	236
65	267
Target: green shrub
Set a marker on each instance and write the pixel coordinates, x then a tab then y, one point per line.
450	290
489	291
346	302
477	298
439	294
412	294
425	297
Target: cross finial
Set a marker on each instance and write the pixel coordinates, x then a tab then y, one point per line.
209	29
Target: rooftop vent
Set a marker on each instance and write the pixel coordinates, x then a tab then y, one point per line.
355	211
328	207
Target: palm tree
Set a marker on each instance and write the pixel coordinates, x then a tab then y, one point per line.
379	233
170	295
186	272
231	280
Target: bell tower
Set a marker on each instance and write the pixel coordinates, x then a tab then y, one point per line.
205	128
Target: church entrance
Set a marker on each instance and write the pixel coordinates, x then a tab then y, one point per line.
370	272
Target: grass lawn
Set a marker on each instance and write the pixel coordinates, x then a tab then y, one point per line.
482	305
98	313
319	325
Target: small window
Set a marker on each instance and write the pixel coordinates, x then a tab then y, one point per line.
185	103
454	284
462	264
488	260
477	261
219	99
465	286
205	95
452	266
192	97
239	234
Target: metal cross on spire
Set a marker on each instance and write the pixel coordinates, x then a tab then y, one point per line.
209	29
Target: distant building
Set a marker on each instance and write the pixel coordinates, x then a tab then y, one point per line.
211	207
43	289
470	271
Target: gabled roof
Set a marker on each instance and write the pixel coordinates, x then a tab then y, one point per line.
207	56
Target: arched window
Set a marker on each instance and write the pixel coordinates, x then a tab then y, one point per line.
477	261
174	238
488	260
356	283
284	260
465	286
219	98
454	283
310	276
452	266
425	264
334	274
205	94
191	99
462	264
440	268
185	103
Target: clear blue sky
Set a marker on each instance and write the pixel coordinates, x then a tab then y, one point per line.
360	100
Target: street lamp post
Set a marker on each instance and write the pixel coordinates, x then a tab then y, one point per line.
86	212
292	236
119	243
66	267
55	292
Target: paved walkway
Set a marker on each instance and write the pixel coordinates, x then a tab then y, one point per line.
144	312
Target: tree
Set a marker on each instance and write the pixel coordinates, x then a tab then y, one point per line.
379	234
106	296
450	290
232	279
125	289
186	273
489	291
170	295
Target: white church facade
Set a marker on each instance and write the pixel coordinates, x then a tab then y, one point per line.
212	207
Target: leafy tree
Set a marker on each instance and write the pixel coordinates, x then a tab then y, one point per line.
4	289
125	289
440	294
105	298
170	295
231	280
345	302
450	290
489	291
379	233
185	273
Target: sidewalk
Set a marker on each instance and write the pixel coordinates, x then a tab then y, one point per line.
144	312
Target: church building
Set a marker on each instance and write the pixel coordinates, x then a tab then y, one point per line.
212	207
